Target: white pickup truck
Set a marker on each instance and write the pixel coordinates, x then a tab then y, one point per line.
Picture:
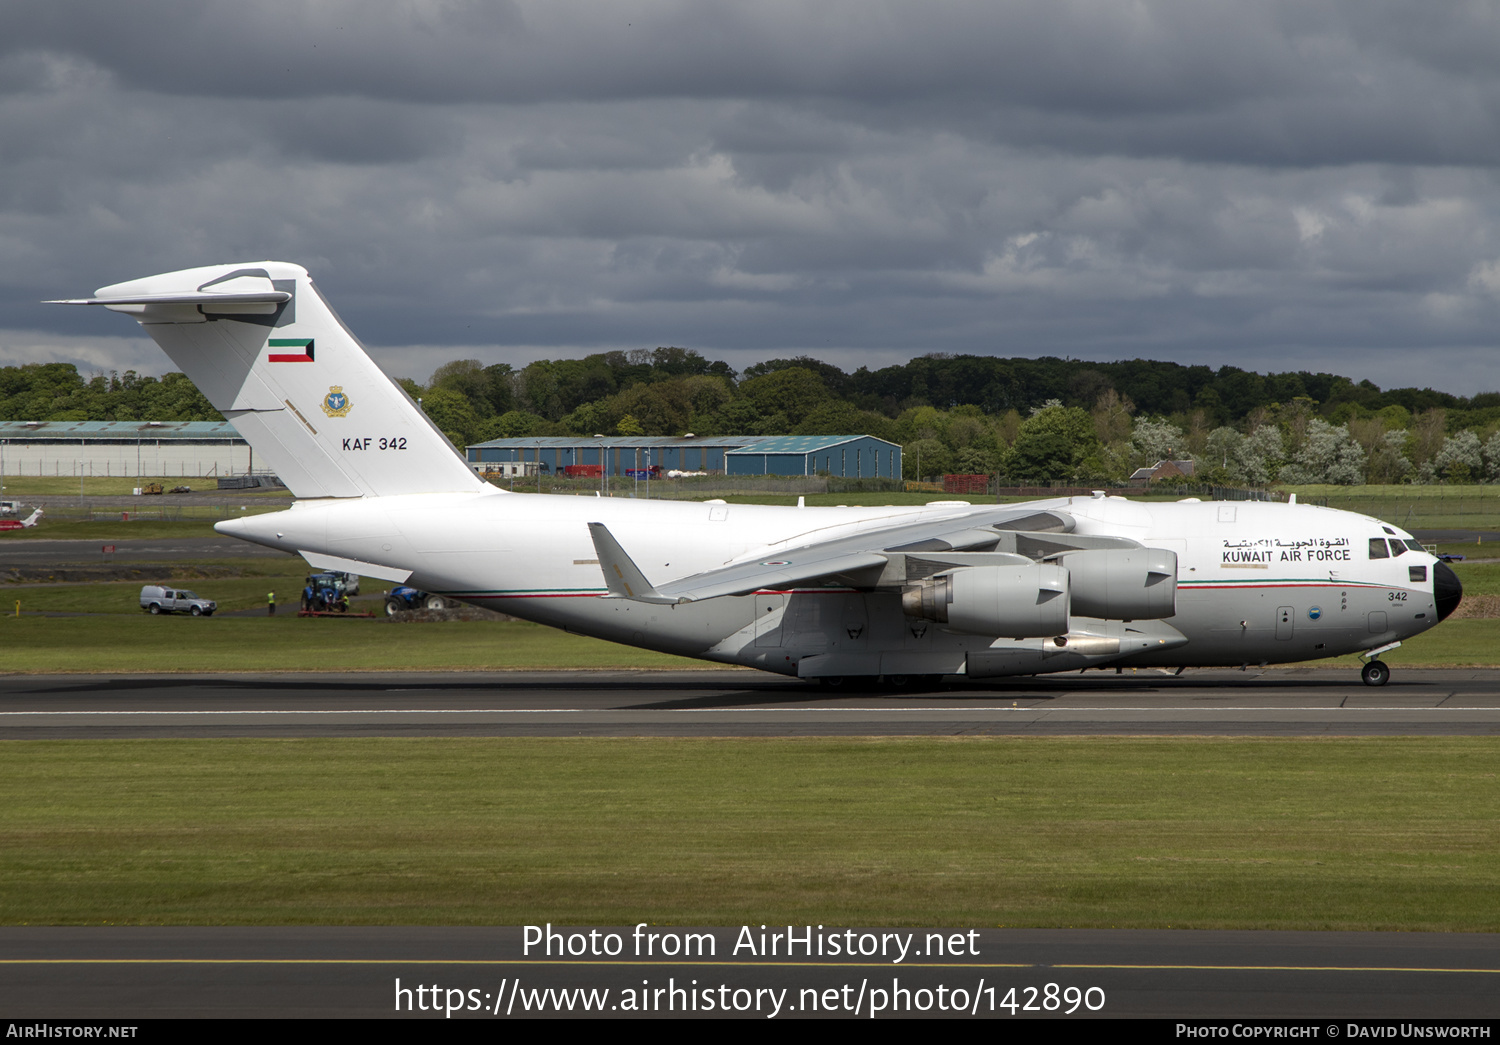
155	599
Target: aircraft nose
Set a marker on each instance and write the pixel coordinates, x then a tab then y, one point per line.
1446	589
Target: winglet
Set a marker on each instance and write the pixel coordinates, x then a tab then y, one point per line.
622	576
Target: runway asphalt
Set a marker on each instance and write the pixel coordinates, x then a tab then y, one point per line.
42	552
1273	702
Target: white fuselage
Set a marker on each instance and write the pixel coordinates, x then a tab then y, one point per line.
1257	582
813	592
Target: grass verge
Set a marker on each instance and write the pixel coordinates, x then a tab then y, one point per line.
110	531
122	643
1291	834
1452	644
22	486
244	592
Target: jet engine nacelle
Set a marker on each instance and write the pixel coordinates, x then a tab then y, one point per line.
1005	601
1123	583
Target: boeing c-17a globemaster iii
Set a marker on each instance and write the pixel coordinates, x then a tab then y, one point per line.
836	594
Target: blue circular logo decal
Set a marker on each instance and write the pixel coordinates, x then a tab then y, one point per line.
1314	613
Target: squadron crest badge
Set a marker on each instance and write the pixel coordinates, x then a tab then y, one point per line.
336	403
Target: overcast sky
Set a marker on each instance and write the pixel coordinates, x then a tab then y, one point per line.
1278	186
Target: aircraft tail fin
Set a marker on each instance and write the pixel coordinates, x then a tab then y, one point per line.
270	354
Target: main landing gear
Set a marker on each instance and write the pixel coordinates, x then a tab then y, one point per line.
878	683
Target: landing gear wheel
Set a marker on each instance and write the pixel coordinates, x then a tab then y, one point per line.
913	682
851	683
1376	673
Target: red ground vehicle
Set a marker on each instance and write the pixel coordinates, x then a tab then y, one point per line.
966	484
583	471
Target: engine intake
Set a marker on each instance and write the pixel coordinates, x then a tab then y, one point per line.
1123	583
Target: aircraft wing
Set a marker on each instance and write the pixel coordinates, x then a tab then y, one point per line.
781	567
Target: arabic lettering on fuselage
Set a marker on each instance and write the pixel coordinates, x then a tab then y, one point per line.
1281	549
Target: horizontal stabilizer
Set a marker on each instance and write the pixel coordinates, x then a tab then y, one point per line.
269	297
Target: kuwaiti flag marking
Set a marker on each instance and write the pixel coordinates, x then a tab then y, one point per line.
304	344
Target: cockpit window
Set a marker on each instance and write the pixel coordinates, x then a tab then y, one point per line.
1414	544
1378	549
1397	548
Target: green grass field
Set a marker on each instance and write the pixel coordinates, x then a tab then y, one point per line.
1306	834
140	643
112	531
1412	507
245	592
1452	644
1478	577
23	486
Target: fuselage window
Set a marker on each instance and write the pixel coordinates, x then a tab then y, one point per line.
1377	548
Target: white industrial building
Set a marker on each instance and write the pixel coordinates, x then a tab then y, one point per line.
127	448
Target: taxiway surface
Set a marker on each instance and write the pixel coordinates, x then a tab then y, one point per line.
122	973
1275	702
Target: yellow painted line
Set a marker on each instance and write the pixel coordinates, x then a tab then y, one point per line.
1280	968
517	961
739	964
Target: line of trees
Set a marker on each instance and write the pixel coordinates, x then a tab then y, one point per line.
1028	420
57	392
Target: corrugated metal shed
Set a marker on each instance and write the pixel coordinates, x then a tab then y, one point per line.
796	444
123	448
90	431
618	453
852	455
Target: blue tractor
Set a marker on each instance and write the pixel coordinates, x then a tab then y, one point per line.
401	598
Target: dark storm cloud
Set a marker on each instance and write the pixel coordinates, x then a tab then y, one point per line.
1276	83
1214	182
